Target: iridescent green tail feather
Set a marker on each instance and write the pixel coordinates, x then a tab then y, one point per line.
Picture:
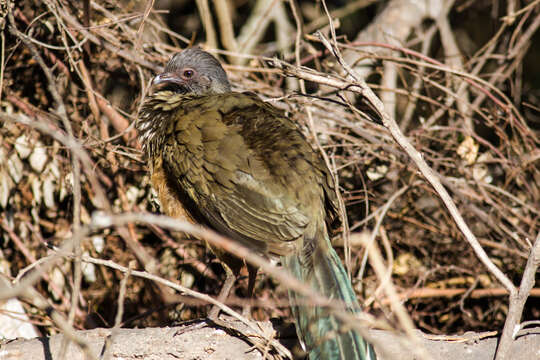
318	328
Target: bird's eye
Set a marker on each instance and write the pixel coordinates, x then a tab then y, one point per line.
188	74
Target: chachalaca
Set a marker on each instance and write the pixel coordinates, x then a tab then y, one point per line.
240	166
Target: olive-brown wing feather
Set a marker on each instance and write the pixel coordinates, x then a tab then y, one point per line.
232	186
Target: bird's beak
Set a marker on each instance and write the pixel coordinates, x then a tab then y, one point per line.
167	78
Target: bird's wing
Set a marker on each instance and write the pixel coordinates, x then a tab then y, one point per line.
246	170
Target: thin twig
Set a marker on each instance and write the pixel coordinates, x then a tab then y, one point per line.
517	302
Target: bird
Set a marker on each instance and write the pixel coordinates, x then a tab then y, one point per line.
240	166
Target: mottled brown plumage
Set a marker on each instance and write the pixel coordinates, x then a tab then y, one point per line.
240	166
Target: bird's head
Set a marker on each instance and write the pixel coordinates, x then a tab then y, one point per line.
193	71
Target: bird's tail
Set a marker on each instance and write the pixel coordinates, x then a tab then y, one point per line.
319	330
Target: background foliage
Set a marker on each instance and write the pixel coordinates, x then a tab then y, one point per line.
467	98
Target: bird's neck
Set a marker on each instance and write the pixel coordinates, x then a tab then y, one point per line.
154	118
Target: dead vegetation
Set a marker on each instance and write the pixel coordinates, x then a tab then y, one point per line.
462	83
